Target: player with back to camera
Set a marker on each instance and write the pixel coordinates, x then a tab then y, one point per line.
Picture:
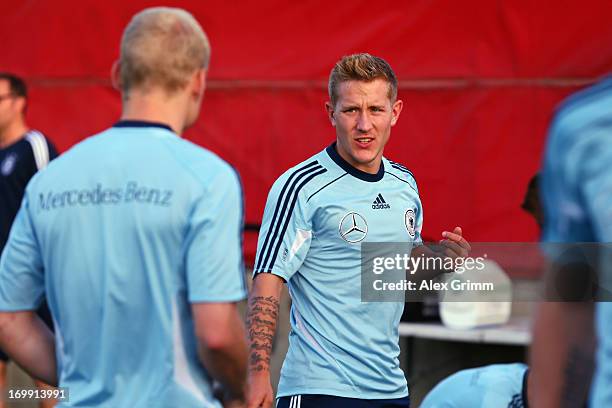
134	237
342	352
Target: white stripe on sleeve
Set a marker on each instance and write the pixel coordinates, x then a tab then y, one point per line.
39	148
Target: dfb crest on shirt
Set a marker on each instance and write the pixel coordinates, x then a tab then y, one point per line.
8	164
410	220
353	228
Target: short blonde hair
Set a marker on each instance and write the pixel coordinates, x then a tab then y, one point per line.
361	67
162	46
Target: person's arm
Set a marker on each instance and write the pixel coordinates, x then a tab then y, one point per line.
561	355
270	273
262	315
215	282
30	343
23	336
222	346
562	352
575	193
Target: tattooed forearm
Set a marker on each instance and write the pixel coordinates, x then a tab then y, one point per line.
261	324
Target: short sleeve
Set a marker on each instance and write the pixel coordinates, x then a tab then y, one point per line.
22	279
577	197
564	178
215	268
286	232
597	185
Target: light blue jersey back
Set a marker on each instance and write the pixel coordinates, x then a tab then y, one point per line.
122	233
316	218
577	196
494	386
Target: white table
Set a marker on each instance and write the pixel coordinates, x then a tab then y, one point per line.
515	333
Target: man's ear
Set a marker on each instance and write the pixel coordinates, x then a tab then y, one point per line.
330	113
21	103
116	75
396	110
199	82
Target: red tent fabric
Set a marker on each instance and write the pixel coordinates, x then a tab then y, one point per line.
479	79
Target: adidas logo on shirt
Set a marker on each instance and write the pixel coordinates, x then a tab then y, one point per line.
380	203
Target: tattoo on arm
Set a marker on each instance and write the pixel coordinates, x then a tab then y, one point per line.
261	324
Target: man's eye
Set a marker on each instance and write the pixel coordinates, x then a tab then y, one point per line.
350	110
376	109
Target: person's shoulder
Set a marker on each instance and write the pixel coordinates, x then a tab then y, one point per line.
42	136
582	110
305	176
41	147
311	165
586	98
399	171
203	164
88	143
196	154
35	135
53	152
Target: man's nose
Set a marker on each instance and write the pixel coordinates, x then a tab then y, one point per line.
364	124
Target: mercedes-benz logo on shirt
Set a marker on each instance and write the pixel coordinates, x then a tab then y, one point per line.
353	227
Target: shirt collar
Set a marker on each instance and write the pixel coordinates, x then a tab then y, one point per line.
141	123
355	172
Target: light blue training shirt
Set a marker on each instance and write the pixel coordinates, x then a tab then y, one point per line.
577	197
317	215
494	386
121	234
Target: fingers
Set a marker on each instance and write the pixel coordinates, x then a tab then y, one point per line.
456	236
453	236
254	403
453	249
454	245
261	401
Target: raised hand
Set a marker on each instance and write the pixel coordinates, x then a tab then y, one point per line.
454	245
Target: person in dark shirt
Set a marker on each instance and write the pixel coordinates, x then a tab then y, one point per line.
23	151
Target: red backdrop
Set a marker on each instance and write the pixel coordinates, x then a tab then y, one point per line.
480	80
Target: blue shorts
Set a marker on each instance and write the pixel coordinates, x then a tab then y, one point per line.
330	401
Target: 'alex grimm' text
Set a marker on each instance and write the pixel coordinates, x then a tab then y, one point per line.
455	284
